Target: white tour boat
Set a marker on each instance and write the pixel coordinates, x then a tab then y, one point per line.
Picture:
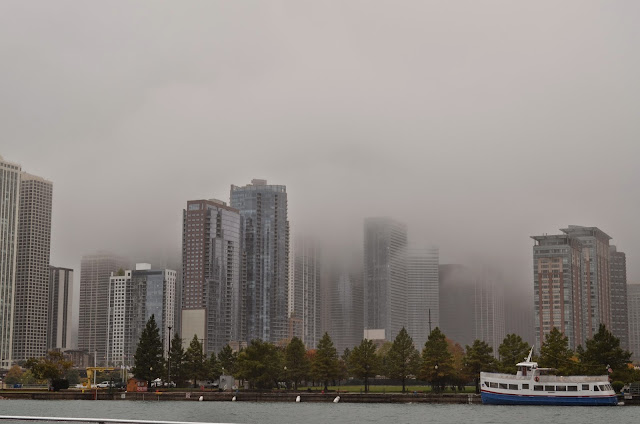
539	386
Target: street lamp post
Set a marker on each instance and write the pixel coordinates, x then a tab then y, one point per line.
169	361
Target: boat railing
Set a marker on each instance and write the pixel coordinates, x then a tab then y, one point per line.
550	378
93	420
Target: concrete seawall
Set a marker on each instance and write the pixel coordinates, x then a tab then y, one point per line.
463	398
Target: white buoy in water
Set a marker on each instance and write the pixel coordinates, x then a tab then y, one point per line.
233	399
337	399
298	399
201	398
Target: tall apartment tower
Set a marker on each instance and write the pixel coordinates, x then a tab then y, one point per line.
572	283
265	232
9	207
618	276
212	292
95	272
489	309
633	311
457	303
59	326
344	299
304	293
32	272
422	294
385	276
134	296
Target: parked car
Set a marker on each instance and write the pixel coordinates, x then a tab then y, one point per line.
105	384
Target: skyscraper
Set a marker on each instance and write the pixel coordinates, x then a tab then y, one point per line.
305	291
633	311
457	303
134	296
59	326
422	294
211	289
572	283
265	232
32	272
619	317
9	206
95	272
489	309
343	297
385	276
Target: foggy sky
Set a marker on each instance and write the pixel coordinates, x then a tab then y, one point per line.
476	123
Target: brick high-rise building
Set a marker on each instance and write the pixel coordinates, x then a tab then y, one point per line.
265	232
572	283
9	206
212	292
32	272
619	317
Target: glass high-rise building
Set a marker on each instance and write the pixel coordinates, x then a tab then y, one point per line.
59	327
32	272
304	292
633	313
423	304
385	276
265	231
9	206
212	292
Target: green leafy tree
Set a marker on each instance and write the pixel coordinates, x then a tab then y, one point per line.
603	352
437	362
213	367
479	357
512	350
261	364
363	362
296	362
228	358
403	359
460	373
28	378
13	375
194	361
73	376
148	361
177	361
51	367
555	353
325	365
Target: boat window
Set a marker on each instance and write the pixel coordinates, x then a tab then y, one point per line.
561	388
549	388
602	387
609	387
503	386
494	385
525	386
572	388
585	387
595	388
537	388
513	386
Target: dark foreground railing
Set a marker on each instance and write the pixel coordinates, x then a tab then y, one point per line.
95	420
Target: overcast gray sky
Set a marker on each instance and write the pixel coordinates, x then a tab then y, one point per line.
478	123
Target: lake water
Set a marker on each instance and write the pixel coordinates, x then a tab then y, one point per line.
285	413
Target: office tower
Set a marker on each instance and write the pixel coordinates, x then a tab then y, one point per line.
211	267
422	294
489	309
95	272
633	311
9	206
32	269
59	327
457	303
571	283
344	300
304	294
518	311
134	296
618	276
265	232
385	276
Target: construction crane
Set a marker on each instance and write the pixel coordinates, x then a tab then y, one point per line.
91	374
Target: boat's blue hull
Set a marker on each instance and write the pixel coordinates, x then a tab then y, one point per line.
502	399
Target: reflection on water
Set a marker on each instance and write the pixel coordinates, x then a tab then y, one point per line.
285	413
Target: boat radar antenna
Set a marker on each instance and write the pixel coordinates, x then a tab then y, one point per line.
530	353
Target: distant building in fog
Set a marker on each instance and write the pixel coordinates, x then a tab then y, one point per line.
489	309
633	305
572	283
385	276
344	313
422	294
304	292
619	316
59	326
457	303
